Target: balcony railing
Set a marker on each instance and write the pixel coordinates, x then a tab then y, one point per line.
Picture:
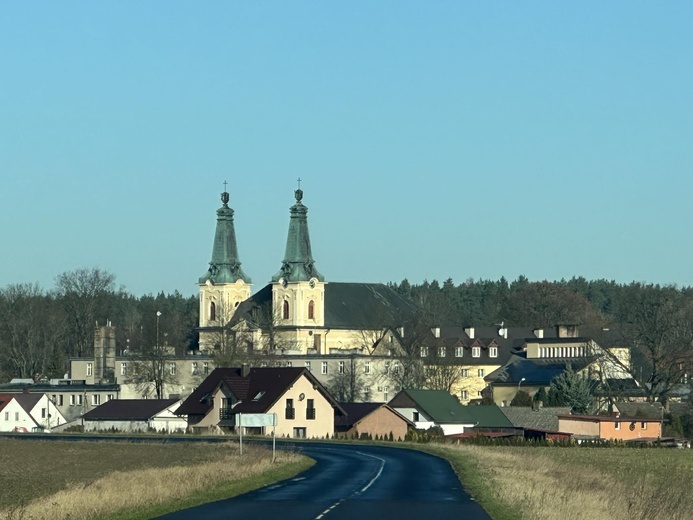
310	413
226	413
290	413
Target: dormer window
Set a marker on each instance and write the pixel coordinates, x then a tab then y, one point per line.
493	351
259	395
441	351
285	310
476	351
459	351
212	311
311	310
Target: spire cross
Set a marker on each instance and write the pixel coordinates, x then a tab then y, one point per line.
224	185
299	183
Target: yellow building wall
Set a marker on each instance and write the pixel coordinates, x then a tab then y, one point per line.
473	384
320	427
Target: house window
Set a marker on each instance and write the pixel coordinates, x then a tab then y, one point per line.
290	410
95	399
43	413
476	351
311	310
643	426
465	372
310	409
123	369
386	367
7	416
54	399
212	311
317	342
367	367
385	393
285	310
289	364
308	365
16	416
395	368
194	368
415	416
441	351
324	368
109	397
172	369
341	367
424	351
205	368
459	351
493	352
72	400
60	400
79	400
90	367
464	394
481	372
617	426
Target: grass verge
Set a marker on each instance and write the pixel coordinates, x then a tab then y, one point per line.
80	480
552	483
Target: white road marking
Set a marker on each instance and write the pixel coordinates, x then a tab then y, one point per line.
370	483
382	466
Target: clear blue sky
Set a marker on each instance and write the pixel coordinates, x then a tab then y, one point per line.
435	139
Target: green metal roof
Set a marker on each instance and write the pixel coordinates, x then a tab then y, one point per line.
298	264
439	405
225	266
488	416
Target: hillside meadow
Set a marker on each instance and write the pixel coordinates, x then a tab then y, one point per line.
554	483
120	480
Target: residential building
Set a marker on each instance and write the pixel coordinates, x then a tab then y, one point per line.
301	405
136	415
27	412
429	408
372	420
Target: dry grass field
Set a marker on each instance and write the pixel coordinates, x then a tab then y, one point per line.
86	480
550	483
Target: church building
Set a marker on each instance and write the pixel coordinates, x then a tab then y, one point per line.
298	312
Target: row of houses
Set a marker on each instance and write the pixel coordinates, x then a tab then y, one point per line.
297	405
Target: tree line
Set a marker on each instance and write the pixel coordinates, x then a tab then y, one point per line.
41	329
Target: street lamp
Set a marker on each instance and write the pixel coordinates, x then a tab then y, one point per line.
158	313
518	384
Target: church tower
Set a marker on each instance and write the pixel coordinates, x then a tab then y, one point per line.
224	286
298	289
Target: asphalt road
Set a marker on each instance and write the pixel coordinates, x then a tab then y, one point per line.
354	482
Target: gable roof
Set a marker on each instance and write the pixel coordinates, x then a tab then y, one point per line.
541	418
5	399
28	401
347	306
356	412
439	405
488	416
640	410
534	372
257	392
129	409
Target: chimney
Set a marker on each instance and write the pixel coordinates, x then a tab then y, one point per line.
436	332
469	331
538	333
245	370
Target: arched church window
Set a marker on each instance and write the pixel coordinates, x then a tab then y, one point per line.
285	311
212	311
311	310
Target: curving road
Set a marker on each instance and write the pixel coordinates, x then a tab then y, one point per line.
354	482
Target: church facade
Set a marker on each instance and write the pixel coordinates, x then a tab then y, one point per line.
298	312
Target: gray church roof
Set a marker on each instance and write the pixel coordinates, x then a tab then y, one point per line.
347	306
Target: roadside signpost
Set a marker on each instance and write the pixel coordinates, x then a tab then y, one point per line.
258	420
